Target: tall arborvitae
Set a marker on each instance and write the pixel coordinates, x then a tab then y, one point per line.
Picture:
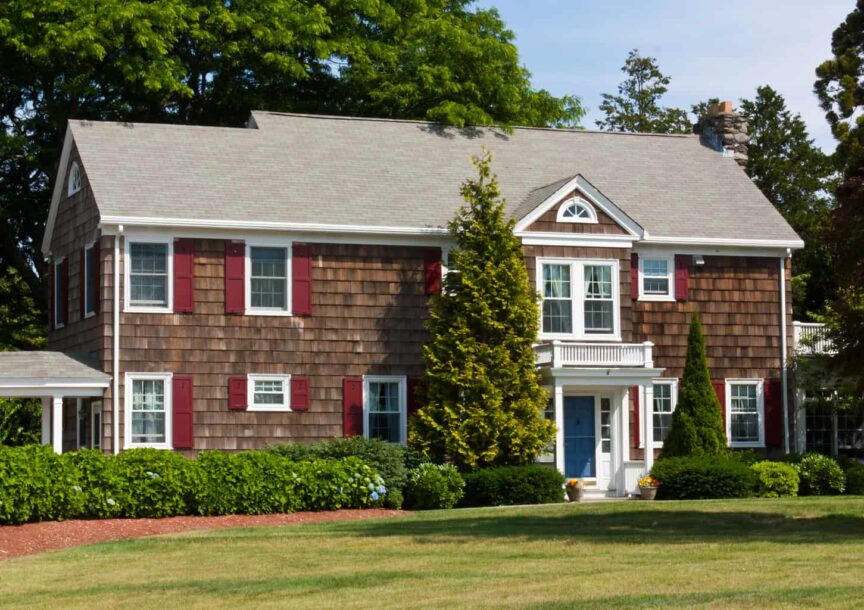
697	424
483	398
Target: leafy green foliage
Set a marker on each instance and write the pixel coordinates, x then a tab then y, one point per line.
511	485
100	482
703	476
697	424
820	475
855	480
637	105
153	483
20	421
21	326
433	486
483	399
775	479
36	485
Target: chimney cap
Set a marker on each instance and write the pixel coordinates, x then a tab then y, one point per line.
720	108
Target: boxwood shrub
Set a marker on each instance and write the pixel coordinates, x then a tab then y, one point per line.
775	479
433	486
820	475
509	485
684	478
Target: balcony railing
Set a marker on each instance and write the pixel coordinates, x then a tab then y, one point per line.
559	354
811	338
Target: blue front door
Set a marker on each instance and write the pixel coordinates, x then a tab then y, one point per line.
579	441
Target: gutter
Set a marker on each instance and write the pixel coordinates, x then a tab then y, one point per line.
783	348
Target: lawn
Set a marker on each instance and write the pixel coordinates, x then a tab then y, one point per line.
802	552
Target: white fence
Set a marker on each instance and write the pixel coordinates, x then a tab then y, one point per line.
560	354
811	338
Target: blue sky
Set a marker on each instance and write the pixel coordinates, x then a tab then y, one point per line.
722	48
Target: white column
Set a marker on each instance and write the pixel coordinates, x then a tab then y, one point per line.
46	420
620	439
57	424
648	426
558	397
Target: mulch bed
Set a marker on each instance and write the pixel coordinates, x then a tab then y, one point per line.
31	538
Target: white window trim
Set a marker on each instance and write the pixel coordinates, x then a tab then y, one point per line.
573	219
88	313
760	408
127	271
577	298
169	408
403	402
289	253
670	275
95	430
58	296
74	173
274	408
672	381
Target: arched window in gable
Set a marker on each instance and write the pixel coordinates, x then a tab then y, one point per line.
74	179
577	209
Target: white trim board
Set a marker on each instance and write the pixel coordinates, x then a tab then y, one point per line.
57	192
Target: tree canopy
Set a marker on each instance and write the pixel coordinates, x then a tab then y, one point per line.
483	399
637	105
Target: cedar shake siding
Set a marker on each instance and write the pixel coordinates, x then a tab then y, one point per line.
367	317
548	222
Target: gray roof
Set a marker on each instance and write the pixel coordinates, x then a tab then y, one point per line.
44	365
372	172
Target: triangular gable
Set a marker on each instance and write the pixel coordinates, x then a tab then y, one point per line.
59	179
590	193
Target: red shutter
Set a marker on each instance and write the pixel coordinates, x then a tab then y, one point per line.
720	390
352	406
299	394
97	277
237	397
184	275
301	280
432	271
634	276
64	299
682	263
773	390
82	285
636	415
183	412
235	278
415	389
51	296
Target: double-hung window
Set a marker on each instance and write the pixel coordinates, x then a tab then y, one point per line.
269	393
148	273
665	399
148	410
656	275
580	299
269	288
386	408
745	412
89	281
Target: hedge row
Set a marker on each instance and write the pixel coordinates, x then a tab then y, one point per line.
38	485
511	485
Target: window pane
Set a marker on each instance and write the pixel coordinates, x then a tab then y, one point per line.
655	267
556	281
598	317
269	278
148	275
598	299
605	425
557	317
148	411
384	415
662	425
744	413
656	285
270	392
384	426
598	282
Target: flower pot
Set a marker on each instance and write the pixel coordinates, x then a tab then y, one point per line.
648	493
574	494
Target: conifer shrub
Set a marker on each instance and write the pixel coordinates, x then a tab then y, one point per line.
510	485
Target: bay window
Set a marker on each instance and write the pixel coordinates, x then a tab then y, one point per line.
580	299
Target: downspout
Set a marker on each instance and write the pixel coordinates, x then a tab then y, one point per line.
783	348
115	368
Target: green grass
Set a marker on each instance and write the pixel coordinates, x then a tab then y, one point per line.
802	552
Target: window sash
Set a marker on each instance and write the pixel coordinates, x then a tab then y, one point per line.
268	283
557	299
599	300
148	274
744	413
149	411
605	425
268	392
590	284
385	412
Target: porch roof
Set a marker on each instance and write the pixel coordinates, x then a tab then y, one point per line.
50	373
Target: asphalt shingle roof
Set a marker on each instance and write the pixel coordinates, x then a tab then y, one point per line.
42	365
371	172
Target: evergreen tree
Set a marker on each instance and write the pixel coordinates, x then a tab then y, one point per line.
637	107
697	423
483	399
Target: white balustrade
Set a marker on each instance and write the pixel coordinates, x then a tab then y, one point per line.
561	354
811	338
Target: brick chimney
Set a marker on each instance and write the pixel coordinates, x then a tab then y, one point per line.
725	131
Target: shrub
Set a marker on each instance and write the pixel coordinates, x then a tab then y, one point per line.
432	486
36	485
101	486
855	479
153	483
703	477
820	475
334	484
508	485
775	479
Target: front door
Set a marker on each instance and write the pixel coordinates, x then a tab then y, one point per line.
579	437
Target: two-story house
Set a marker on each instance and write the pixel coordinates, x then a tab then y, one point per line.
234	288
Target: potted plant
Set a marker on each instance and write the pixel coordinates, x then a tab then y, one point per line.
648	487
574	490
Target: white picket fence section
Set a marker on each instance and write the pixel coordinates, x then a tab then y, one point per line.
811	338
559	354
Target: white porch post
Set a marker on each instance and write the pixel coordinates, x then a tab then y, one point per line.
46	420
648	426
57	424
620	439
558	397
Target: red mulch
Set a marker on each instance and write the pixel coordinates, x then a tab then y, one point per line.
30	538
